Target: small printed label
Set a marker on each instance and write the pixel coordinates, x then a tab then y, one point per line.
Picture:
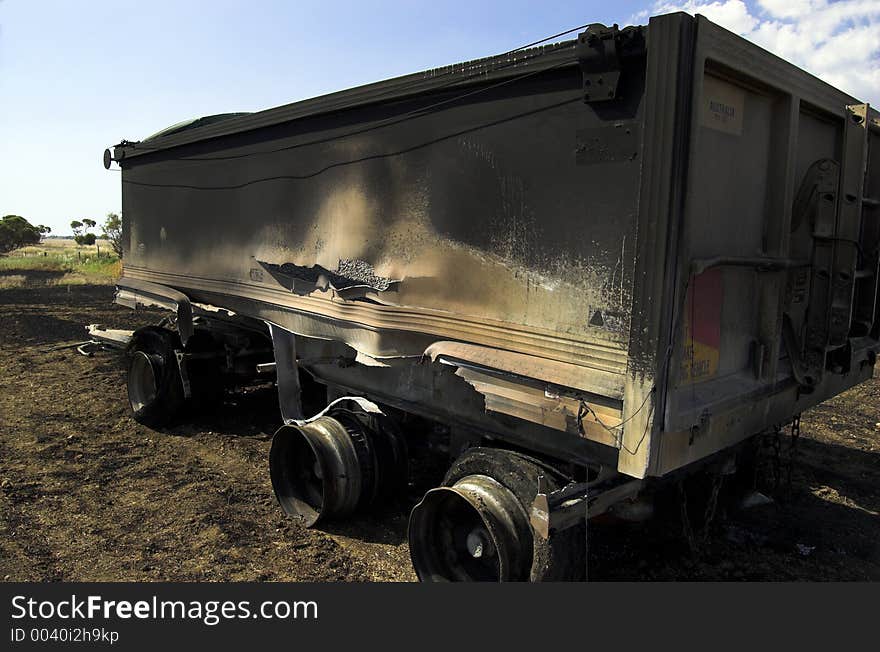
723	105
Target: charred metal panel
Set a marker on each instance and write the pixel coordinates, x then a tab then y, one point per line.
499	248
480	213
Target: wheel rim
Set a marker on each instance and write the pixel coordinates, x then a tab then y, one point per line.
475	530
142	386
336	464
315	470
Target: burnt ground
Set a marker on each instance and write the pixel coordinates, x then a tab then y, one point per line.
87	494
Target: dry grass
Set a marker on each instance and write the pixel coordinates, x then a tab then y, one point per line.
61	246
11	281
60	262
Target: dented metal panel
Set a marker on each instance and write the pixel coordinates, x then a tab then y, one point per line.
631	270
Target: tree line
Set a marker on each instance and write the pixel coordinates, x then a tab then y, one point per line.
16	232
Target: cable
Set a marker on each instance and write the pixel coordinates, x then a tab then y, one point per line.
452	70
422	111
644	434
617	431
295	177
545	39
396	90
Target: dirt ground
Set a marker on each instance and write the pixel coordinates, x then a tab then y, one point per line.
87	494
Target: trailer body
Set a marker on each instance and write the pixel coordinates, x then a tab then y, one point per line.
634	249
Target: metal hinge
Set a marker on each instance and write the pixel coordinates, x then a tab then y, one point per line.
600	50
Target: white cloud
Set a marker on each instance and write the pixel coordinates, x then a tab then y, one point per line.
790	8
838	41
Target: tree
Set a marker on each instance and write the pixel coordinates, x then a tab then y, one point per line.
15	232
44	230
113	232
91	238
81	233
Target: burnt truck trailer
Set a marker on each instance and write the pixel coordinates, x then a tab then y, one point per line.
582	268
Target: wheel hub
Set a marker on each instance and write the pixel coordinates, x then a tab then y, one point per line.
479	544
475	530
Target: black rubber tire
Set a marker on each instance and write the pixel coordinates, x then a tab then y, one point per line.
168	402
561	556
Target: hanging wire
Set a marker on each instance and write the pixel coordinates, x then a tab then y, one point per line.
452	71
411	115
372	157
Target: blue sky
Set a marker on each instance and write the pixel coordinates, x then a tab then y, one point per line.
76	77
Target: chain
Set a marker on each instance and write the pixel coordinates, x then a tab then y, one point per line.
686	528
587	537
709	515
696	541
793	446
